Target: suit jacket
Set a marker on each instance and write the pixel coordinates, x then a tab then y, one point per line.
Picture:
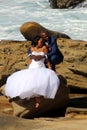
52	46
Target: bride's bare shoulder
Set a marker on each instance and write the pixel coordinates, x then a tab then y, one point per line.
45	49
32	49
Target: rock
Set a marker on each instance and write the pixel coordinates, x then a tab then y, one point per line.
31	29
73	112
53	4
75	61
66	3
48	107
13	57
14	123
5	107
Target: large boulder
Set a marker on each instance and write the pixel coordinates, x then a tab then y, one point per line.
13	57
74	66
66	3
31	29
48	107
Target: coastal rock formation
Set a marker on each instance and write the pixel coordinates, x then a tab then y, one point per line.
67	3
31	29
72	73
13	57
47	108
6	108
14	123
75	61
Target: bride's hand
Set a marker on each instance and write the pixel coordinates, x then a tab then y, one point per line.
39	57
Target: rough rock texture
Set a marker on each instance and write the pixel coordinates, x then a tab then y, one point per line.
47	107
65	3
26	108
13	57
74	67
14	123
6	108
31	29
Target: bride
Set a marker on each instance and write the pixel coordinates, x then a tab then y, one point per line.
35	82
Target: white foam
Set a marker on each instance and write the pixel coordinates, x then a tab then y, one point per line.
14	13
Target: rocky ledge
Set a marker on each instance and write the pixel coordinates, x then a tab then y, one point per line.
13	55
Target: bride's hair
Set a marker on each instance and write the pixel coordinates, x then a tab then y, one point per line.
35	41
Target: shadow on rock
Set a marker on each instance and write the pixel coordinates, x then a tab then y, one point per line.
80	102
48	107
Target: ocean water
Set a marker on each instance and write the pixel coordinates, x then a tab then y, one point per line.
13	13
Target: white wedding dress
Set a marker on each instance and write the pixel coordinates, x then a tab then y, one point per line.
35	81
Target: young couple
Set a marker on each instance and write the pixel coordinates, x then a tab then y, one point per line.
54	54
37	81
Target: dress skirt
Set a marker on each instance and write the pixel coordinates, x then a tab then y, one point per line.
32	82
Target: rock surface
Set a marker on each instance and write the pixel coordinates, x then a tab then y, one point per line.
13	57
31	29
67	3
74	66
48	107
6	108
14	123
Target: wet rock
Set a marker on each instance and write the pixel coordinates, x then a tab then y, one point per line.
31	29
67	3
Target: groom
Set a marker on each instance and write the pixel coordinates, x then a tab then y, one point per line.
54	54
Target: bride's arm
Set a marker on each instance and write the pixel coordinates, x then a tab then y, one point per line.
35	57
31	56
